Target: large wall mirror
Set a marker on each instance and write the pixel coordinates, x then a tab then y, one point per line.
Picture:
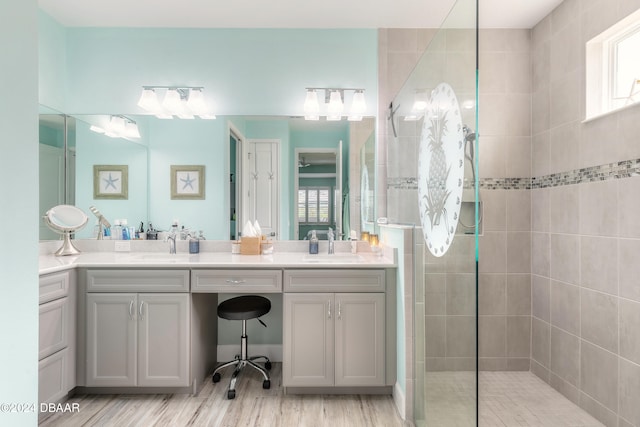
227	149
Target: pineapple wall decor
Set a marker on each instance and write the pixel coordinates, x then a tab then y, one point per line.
441	169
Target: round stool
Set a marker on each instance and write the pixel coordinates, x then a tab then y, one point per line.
243	308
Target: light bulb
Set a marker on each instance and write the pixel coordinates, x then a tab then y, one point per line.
149	100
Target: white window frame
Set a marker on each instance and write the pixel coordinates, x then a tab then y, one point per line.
306	207
601	62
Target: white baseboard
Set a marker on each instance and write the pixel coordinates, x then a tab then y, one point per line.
229	351
399	399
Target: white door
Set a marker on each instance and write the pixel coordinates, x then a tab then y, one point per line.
261	185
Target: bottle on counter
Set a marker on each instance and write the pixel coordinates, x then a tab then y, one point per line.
194	244
313	243
116	230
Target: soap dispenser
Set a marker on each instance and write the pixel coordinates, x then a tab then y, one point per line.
313	243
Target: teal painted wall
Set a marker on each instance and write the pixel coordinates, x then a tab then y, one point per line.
19	195
244	71
52	62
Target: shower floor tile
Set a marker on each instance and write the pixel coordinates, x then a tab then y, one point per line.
507	399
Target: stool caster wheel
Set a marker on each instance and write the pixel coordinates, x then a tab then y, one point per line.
231	394
266	384
216	377
267	365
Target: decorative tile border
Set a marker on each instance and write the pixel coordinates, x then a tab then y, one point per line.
617	170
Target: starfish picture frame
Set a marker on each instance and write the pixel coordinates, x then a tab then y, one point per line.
111	182
187	182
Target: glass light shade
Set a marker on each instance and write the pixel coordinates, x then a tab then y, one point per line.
311	105
420	101
131	130
335	103
358	104
196	102
149	100
117	125
183	111
172	102
96	129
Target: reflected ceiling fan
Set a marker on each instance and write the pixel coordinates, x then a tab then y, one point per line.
302	163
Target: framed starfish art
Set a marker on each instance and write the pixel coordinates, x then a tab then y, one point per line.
187	182
111	182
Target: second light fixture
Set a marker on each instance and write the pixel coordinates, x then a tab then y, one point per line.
334	100
182	102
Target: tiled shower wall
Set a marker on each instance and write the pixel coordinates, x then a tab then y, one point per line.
445	294
585	224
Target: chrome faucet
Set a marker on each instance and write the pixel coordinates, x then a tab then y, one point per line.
331	238
172	243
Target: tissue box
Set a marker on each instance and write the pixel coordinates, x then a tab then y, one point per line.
250	245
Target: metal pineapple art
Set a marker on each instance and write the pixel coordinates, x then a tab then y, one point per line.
441	169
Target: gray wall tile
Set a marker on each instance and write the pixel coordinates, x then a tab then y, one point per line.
519	294
565	356
598	208
599	319
461	294
518	252
599	263
492	339
540	338
461	336
565	258
629	204
565	307
599	375
630	391
492	295
564	214
630	330
541	298
629	269
518	336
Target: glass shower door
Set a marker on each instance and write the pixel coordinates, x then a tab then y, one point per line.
434	118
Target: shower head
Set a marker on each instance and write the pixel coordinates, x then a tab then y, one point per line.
469	136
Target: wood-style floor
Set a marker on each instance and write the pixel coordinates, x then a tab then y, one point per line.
253	406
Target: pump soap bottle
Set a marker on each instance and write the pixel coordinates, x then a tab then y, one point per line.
313	243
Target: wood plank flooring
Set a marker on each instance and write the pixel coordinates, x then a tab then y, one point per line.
253	406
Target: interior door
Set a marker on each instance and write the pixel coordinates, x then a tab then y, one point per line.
262	184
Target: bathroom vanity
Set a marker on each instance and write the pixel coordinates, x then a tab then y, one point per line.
146	321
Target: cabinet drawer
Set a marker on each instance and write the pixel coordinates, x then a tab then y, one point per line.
54	286
241	281
51	377
137	280
359	280
53	333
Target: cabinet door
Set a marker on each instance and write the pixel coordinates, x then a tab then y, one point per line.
111	340
360	339
308	340
163	340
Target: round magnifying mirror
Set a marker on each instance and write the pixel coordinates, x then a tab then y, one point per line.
66	219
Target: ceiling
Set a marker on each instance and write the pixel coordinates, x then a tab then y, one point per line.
288	13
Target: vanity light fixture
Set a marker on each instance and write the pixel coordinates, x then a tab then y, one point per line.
184	102
118	127
334	99
420	103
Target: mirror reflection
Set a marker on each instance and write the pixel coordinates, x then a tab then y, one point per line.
250	172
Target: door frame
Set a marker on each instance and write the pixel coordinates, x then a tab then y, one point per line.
240	138
245	179
296	181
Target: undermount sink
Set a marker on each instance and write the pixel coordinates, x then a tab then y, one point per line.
338	258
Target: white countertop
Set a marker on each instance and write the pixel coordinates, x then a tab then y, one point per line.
52	264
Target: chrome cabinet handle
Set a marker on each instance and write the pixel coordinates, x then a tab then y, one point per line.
329	311
131	309
140	310
236	281
339	310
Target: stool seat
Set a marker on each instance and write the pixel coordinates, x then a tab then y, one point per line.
244	307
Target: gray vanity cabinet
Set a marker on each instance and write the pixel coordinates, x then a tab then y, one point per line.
137	339
57	336
334	338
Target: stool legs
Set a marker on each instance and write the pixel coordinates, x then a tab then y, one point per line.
240	362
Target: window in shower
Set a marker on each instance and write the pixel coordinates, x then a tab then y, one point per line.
613	67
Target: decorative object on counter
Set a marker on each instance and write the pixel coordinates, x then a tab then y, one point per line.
266	247
235	247
102	222
66	219
111	182
373	240
313	243
250	245
187	182
152	234
364	236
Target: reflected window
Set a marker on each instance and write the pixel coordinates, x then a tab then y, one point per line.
314	205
